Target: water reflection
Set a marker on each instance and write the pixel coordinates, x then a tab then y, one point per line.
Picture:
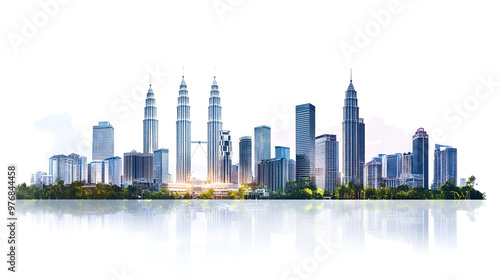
214	232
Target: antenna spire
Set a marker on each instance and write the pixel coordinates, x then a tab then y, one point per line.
351	75
149	80
214	72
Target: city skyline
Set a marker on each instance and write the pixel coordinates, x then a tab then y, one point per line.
220	164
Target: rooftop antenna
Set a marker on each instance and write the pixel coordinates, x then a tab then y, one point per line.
351	75
150	80
214	72
183	71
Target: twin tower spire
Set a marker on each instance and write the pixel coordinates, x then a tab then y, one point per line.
183	131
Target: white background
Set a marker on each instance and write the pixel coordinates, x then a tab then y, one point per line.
86	58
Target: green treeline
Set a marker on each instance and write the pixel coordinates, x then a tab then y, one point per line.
294	190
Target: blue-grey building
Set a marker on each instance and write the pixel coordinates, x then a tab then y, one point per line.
183	129
327	162
138	167
305	133
273	173
113	170
420	156
150	124
445	165
282	152
103	141
214	126
262	144
391	165
160	167
245	164
353	138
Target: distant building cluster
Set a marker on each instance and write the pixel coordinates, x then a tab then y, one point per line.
316	158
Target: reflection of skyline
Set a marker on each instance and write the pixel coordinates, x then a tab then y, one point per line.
230	228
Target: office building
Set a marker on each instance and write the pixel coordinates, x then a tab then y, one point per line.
305	133
103	141
150	124
214	126
183	126
245	164
420	157
327	161
445	165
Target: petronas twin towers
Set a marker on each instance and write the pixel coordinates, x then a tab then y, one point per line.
214	128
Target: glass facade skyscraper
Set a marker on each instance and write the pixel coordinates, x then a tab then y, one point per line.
327	161
445	165
282	152
68	168
353	136
113	170
245	166
262	144
305	130
214	126
183	151
150	124
391	165
160	167
420	157
103	141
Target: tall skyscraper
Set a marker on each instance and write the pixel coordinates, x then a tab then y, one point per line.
391	165
353	134
160	167
327	161
137	167
183	167
225	150
150	124
373	174
214	126
282	152
445	165
79	168
305	130
103	141
262	144
420	164
245	167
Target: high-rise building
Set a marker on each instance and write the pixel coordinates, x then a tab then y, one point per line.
406	164
445	165
273	173
353	136
37	178
137	167
373	174
214	126
150	124
113	170
262	144
183	167
103	141
245	165
420	158
79	168
282	152
68	168
225	150
391	165
327	161
305	130
160	167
